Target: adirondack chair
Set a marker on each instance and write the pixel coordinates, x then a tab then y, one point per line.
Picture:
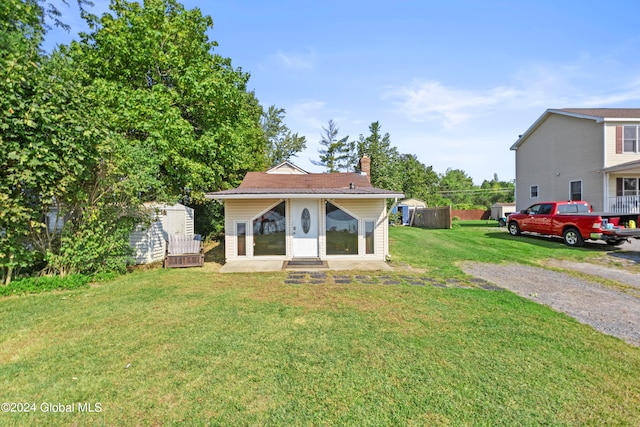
184	251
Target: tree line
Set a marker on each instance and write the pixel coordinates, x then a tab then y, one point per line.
405	173
142	109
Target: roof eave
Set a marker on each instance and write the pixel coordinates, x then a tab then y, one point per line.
545	115
256	196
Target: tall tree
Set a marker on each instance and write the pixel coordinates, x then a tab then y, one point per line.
335	152
282	144
385	165
457	188
167	91
47	135
419	181
495	191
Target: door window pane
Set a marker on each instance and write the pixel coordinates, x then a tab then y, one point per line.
342	231
269	232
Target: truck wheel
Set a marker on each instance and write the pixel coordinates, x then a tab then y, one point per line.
514	230
572	237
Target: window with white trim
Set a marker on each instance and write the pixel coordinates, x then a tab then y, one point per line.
241	238
630	139
341	231
630	186
269	232
575	190
533	192
369	242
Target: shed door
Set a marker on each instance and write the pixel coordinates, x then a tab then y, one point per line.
304	227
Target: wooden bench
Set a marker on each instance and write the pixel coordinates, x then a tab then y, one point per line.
184	251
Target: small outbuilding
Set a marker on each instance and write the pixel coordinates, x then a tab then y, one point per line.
407	209
149	241
502	210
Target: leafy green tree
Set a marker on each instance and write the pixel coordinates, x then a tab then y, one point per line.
385	159
457	188
419	181
282	144
495	191
174	96
47	139
335	154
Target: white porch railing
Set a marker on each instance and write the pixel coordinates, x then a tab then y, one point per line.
623	204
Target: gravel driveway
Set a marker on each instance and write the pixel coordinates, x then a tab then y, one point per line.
608	310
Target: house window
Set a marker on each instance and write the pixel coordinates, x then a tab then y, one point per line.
575	190
369	243
342	231
241	238
534	191
630	186
630	139
269	232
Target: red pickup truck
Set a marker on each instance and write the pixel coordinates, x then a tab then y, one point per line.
575	222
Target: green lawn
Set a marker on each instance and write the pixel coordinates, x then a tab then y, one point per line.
194	347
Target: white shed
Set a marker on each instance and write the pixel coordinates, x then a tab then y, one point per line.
149	243
499	210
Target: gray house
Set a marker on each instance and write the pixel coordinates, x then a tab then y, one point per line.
590	154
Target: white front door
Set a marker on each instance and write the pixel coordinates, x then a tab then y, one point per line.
304	227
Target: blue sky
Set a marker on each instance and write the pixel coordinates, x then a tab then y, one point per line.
452	82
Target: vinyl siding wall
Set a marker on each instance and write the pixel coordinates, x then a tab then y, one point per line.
148	243
613	158
363	209
561	150
242	210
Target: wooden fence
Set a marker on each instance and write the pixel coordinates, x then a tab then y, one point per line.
467	214
432	217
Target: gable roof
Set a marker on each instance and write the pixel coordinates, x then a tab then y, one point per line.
262	185
596	114
287	167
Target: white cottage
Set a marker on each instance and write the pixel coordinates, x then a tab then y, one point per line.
289	214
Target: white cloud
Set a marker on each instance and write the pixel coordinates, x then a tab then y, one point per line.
304	115
295	61
431	100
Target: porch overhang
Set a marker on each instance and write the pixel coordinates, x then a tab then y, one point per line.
630	167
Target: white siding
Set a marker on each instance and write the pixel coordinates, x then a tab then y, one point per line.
148	243
614	158
562	149
189	227
363	209
242	210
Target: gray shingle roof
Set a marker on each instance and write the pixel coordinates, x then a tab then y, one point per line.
612	113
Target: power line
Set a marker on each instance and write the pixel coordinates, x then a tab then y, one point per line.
479	190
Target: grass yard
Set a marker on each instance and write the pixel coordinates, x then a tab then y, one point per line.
194	347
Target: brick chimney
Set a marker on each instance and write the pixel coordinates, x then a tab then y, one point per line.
365	166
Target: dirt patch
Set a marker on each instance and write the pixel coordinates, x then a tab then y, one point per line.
608	310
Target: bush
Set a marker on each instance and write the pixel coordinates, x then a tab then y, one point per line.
34	285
